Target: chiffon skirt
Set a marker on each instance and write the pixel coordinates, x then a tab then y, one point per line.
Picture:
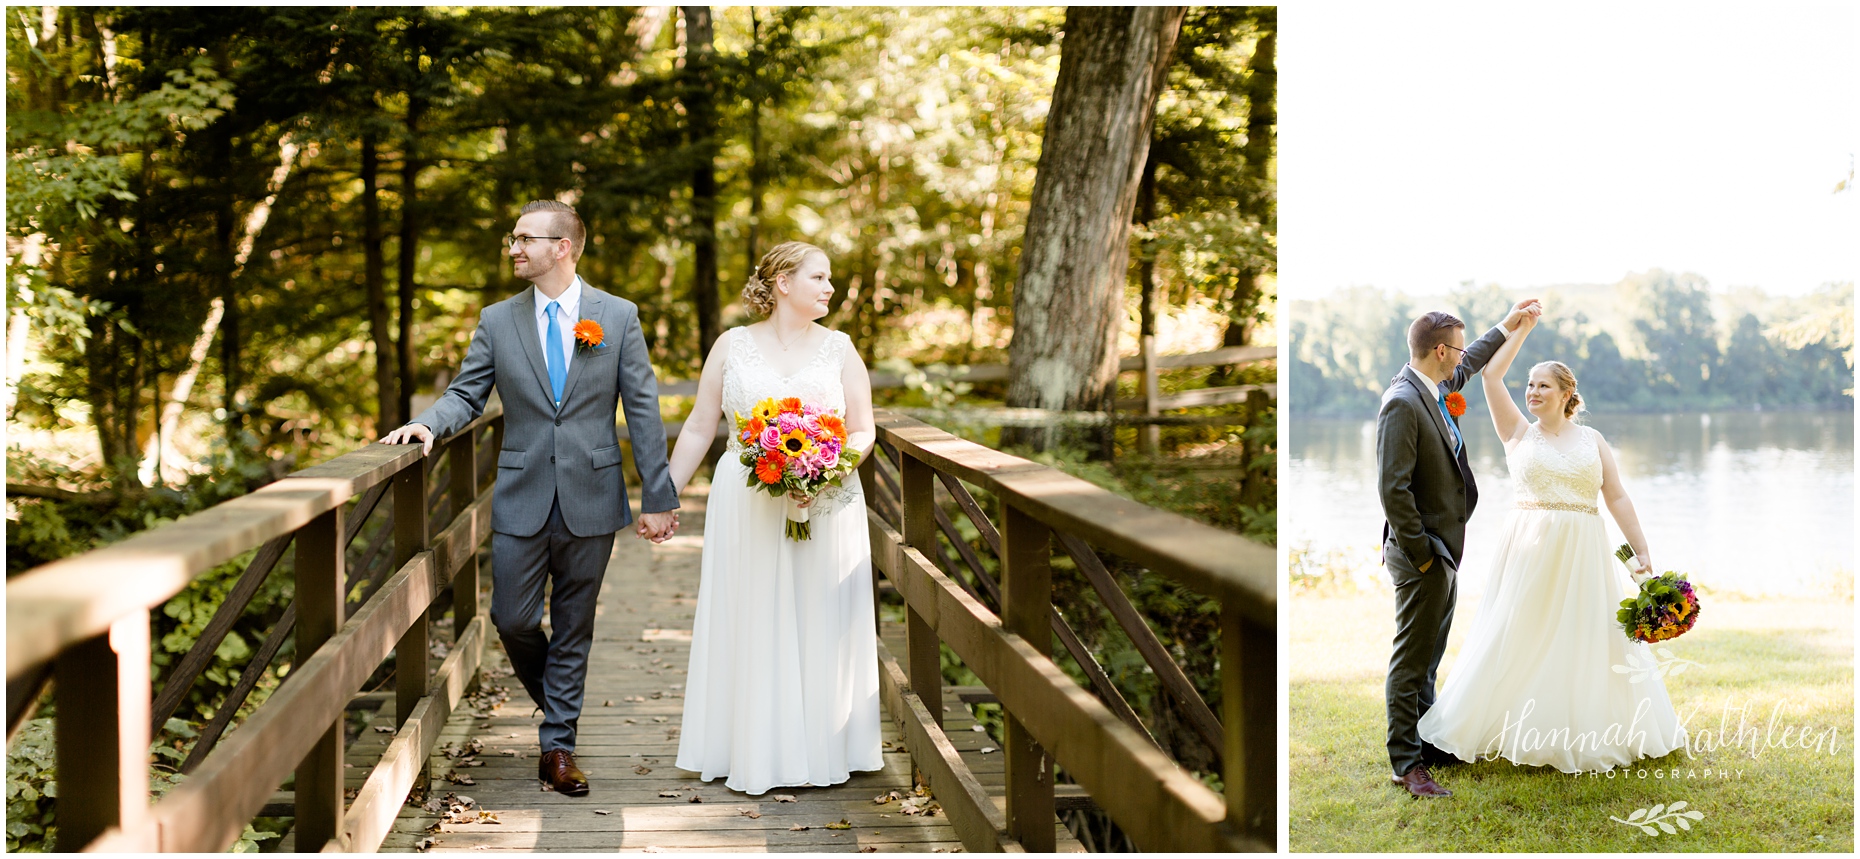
1535	681
783	682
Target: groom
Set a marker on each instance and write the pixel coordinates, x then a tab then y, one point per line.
1428	493
560	494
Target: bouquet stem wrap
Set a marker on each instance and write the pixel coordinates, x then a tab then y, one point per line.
798	528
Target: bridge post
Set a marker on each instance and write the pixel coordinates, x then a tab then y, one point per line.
102	733
320	597
1026	605
924	659
410	653
1249	711
464	491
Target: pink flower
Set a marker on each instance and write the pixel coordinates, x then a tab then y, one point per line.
770	438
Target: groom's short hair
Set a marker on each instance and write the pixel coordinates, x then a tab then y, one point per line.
1432	329
567	223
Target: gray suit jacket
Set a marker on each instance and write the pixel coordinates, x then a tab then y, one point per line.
1427	492
573	452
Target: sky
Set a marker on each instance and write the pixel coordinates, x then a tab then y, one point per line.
1422	146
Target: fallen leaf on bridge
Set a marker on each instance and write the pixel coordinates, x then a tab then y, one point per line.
602	811
751	813
670	793
641	770
782	797
797	828
843	824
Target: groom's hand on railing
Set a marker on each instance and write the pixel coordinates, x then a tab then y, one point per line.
410	434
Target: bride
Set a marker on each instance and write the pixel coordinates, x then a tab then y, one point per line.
783	684
1536	682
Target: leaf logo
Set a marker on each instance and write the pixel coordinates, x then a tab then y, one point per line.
1647	819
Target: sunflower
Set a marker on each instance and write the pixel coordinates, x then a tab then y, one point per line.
796	443
766	410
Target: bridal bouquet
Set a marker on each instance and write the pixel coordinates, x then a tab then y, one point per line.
792	446
1666	606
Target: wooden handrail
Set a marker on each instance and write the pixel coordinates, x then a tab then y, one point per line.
1212	561
87	617
1050	719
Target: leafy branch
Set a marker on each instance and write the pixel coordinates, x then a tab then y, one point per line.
1646	819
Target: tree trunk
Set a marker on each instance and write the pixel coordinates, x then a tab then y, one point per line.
752	245
374	276
702	135
1262	116
1075	257
161	445
226	255
409	254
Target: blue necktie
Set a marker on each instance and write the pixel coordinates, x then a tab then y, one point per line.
1451	426
552	354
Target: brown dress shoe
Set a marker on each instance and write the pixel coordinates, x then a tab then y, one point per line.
558	770
1420	783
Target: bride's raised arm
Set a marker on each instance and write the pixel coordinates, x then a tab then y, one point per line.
1506	418
861	429
701	426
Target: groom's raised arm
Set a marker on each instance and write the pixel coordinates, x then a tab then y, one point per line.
639	396
463	400
1397	437
1478	353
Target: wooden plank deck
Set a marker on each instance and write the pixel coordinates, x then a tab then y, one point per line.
628	740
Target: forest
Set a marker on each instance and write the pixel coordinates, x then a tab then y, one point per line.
241	241
1656	341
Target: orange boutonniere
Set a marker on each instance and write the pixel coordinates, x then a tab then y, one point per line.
588	334
1456	405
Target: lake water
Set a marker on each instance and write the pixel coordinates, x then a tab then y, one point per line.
1760	503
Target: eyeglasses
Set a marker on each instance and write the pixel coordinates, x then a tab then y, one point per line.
1454	348
524	240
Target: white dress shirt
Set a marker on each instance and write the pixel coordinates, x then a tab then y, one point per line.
566	315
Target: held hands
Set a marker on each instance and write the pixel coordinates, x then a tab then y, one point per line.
657	527
801	499
1524	316
410	434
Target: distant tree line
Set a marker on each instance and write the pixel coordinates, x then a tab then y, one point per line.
1650	343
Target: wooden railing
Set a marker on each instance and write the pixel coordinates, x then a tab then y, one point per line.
1097	739
83	625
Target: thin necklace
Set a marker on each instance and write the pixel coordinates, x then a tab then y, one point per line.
777	331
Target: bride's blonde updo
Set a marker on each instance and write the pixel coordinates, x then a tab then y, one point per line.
1565	380
759	292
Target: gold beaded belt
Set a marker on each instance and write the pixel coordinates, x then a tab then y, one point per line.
1525	504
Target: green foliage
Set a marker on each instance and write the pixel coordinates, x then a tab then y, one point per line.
1655	341
31	794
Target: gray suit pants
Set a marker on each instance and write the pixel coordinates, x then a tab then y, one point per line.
553	668
1423	617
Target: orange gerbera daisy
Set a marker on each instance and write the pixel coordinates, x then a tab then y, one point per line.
589	333
1456	404
770	468
833	424
755	427
791	405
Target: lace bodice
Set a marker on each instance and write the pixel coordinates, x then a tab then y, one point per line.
748	379
1543	477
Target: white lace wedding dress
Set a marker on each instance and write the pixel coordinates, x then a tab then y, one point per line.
783	682
1535	682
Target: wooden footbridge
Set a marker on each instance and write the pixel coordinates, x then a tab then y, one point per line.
447	759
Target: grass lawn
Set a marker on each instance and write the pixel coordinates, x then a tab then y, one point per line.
1787	660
